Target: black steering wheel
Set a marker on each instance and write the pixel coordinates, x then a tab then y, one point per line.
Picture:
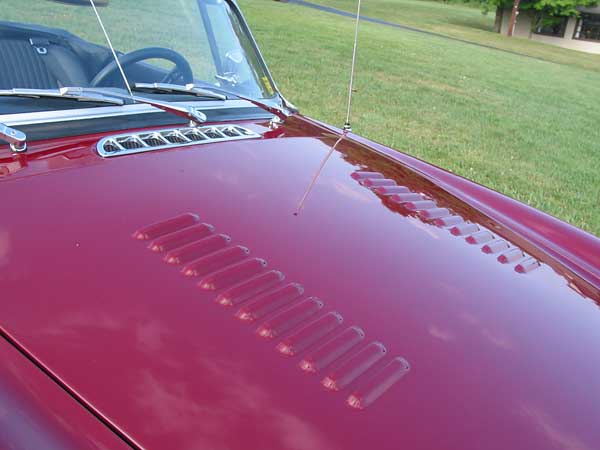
182	67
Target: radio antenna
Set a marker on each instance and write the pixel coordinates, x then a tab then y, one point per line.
112	49
347	126
316	176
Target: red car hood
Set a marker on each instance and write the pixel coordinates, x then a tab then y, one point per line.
477	355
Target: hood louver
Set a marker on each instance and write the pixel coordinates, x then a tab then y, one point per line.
427	210
279	310
126	144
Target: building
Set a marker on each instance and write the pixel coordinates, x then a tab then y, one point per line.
577	33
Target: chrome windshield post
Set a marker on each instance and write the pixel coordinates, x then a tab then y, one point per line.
17	139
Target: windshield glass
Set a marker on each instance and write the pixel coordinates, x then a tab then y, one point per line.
49	44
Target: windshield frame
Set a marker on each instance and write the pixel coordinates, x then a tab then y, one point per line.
246	28
278	98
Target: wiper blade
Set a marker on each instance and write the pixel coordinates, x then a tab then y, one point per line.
94	95
222	94
69	93
116	98
167	88
280	112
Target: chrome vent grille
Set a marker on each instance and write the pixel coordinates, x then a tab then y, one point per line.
130	143
126	144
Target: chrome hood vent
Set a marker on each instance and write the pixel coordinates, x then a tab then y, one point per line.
126	144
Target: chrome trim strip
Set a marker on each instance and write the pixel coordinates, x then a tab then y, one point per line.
41	117
206	132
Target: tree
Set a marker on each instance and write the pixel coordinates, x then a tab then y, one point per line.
547	12
513	17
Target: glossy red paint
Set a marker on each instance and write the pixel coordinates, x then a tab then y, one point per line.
35	413
459	351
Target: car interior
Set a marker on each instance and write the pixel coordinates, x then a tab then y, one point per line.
36	57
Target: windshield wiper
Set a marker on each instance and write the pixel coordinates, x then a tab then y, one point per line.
95	95
189	89
280	112
99	96
218	93
195	116
68	93
189	112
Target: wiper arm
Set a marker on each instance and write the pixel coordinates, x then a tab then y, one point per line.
195	116
218	93
69	93
97	96
188	89
282	113
189	112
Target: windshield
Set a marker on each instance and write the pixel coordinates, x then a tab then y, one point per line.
49	44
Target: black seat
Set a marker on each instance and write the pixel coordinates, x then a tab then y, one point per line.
37	63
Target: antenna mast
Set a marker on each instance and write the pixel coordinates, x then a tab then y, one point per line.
347	126
112	49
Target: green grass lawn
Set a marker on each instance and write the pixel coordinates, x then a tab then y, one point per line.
527	128
463	21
